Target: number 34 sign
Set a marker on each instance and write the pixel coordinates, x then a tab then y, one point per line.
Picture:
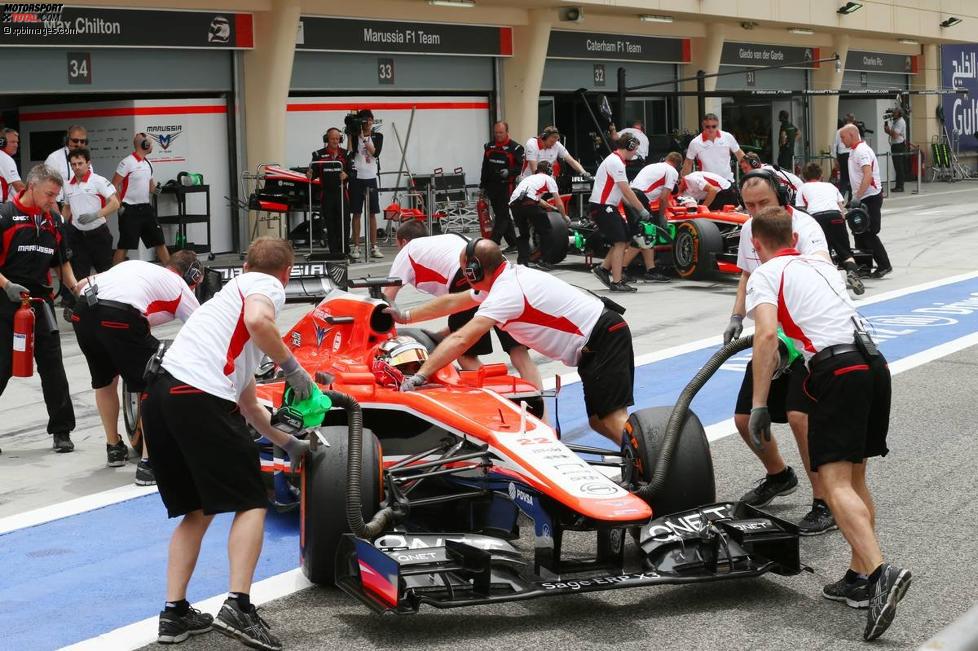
79	67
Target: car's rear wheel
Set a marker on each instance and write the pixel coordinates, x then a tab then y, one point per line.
323	499
698	242
689	482
130	417
552	243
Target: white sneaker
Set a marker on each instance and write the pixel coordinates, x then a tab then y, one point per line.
375	252
355	253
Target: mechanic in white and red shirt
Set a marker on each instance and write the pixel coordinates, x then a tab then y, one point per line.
89	199
529	204
712	149
751	161
849	383
653	183
430	264
864	176
134	182
76	137
10	183
547	147
196	415
112	322
547	315
709	189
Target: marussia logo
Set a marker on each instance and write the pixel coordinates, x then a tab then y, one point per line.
321	333
165	135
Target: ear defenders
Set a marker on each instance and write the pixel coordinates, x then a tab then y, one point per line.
144	142
544	167
3	139
549	131
329	131
772	181
473	268
194	274
628	142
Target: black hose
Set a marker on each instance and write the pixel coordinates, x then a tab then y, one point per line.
354	472
680	412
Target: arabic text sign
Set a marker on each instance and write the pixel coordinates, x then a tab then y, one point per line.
959	69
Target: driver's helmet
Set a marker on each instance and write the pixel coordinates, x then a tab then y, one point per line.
403	353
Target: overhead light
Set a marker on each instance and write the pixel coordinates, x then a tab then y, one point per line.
849	8
908	41
749	24
802	31
452	3
656	19
951	22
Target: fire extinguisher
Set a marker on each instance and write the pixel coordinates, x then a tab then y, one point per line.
23	356
485	221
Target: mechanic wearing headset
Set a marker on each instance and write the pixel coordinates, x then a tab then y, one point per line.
430	264
547	147
654	182
850	386
547	315
502	160
610	190
529	206
712	149
751	161
195	418
788	403
112	322
32	242
134	182
89	199
332	186
864	175
709	189
10	183
76	137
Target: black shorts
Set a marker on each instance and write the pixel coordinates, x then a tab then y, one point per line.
458	320
90	250
607	366
787	393
204	457
850	415
138	222
114	342
730	196
611	224
359	190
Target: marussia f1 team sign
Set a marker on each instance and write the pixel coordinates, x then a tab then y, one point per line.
959	69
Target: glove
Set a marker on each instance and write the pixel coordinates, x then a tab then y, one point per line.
733	329
587	176
412	382
759	427
157	189
88	217
296	449
644	215
13	291
397	315
297	378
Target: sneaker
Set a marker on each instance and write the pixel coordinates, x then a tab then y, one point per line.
864	272
62	443
899	189
879	273
622	286
540	266
855	594
144	474
765	490
884	595
248	627
355	253
176	628
602	274
854	283
117	454
375	253
818	520
654	277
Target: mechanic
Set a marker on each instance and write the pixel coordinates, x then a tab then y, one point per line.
364	152
653	183
712	149
547	147
89	199
825	204
11	141
502	160
430	264
529	206
10	183
864	175
76	136
751	161
32	242
709	189
610	190
332	189
134	182
195	417
789	403
637	129
850	386
788	135
547	315
842	157
897	131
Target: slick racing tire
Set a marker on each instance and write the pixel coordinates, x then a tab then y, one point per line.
323	500
426	338
130	417
552	244
689	482
694	251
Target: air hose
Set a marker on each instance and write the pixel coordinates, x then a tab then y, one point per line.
679	413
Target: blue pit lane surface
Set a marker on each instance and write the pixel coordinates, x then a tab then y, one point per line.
77	577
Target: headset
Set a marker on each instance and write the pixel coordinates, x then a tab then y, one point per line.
628	142
545	167
144	142
473	268
772	180
326	135
194	274
549	131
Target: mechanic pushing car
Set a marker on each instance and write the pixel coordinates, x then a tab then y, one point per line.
112	323
709	189
849	382
547	315
206	462
788	403
751	161
529	206
430	264
654	182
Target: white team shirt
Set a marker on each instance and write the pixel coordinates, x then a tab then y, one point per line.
88	195
643	140
784	177
714	155
137	179
541	312
695	184
811	240
818	196
605	190
429	264
652	179
8	175
532	150
899	129
861	155
160	294
813	306
213	351
364	163
534	187
58	160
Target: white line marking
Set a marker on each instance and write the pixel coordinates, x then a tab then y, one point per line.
73	507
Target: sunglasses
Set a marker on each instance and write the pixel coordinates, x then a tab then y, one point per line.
80	141
710	126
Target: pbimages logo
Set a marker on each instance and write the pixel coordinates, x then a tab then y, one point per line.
30	12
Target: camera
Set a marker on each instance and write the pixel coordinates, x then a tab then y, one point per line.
353	125
888	115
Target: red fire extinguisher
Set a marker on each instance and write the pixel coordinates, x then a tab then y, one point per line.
23	355
485	221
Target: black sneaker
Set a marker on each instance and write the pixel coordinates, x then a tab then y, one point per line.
176	628
818	520
884	595
116	455
622	286
249	628
62	443
602	274
855	594
144	474
770	487
655	277
854	283
879	273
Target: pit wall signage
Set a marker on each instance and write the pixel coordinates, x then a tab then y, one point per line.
959	69
757	54
903	64
617	47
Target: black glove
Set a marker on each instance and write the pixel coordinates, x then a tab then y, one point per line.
733	329
296	449
412	382
13	291
759	427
